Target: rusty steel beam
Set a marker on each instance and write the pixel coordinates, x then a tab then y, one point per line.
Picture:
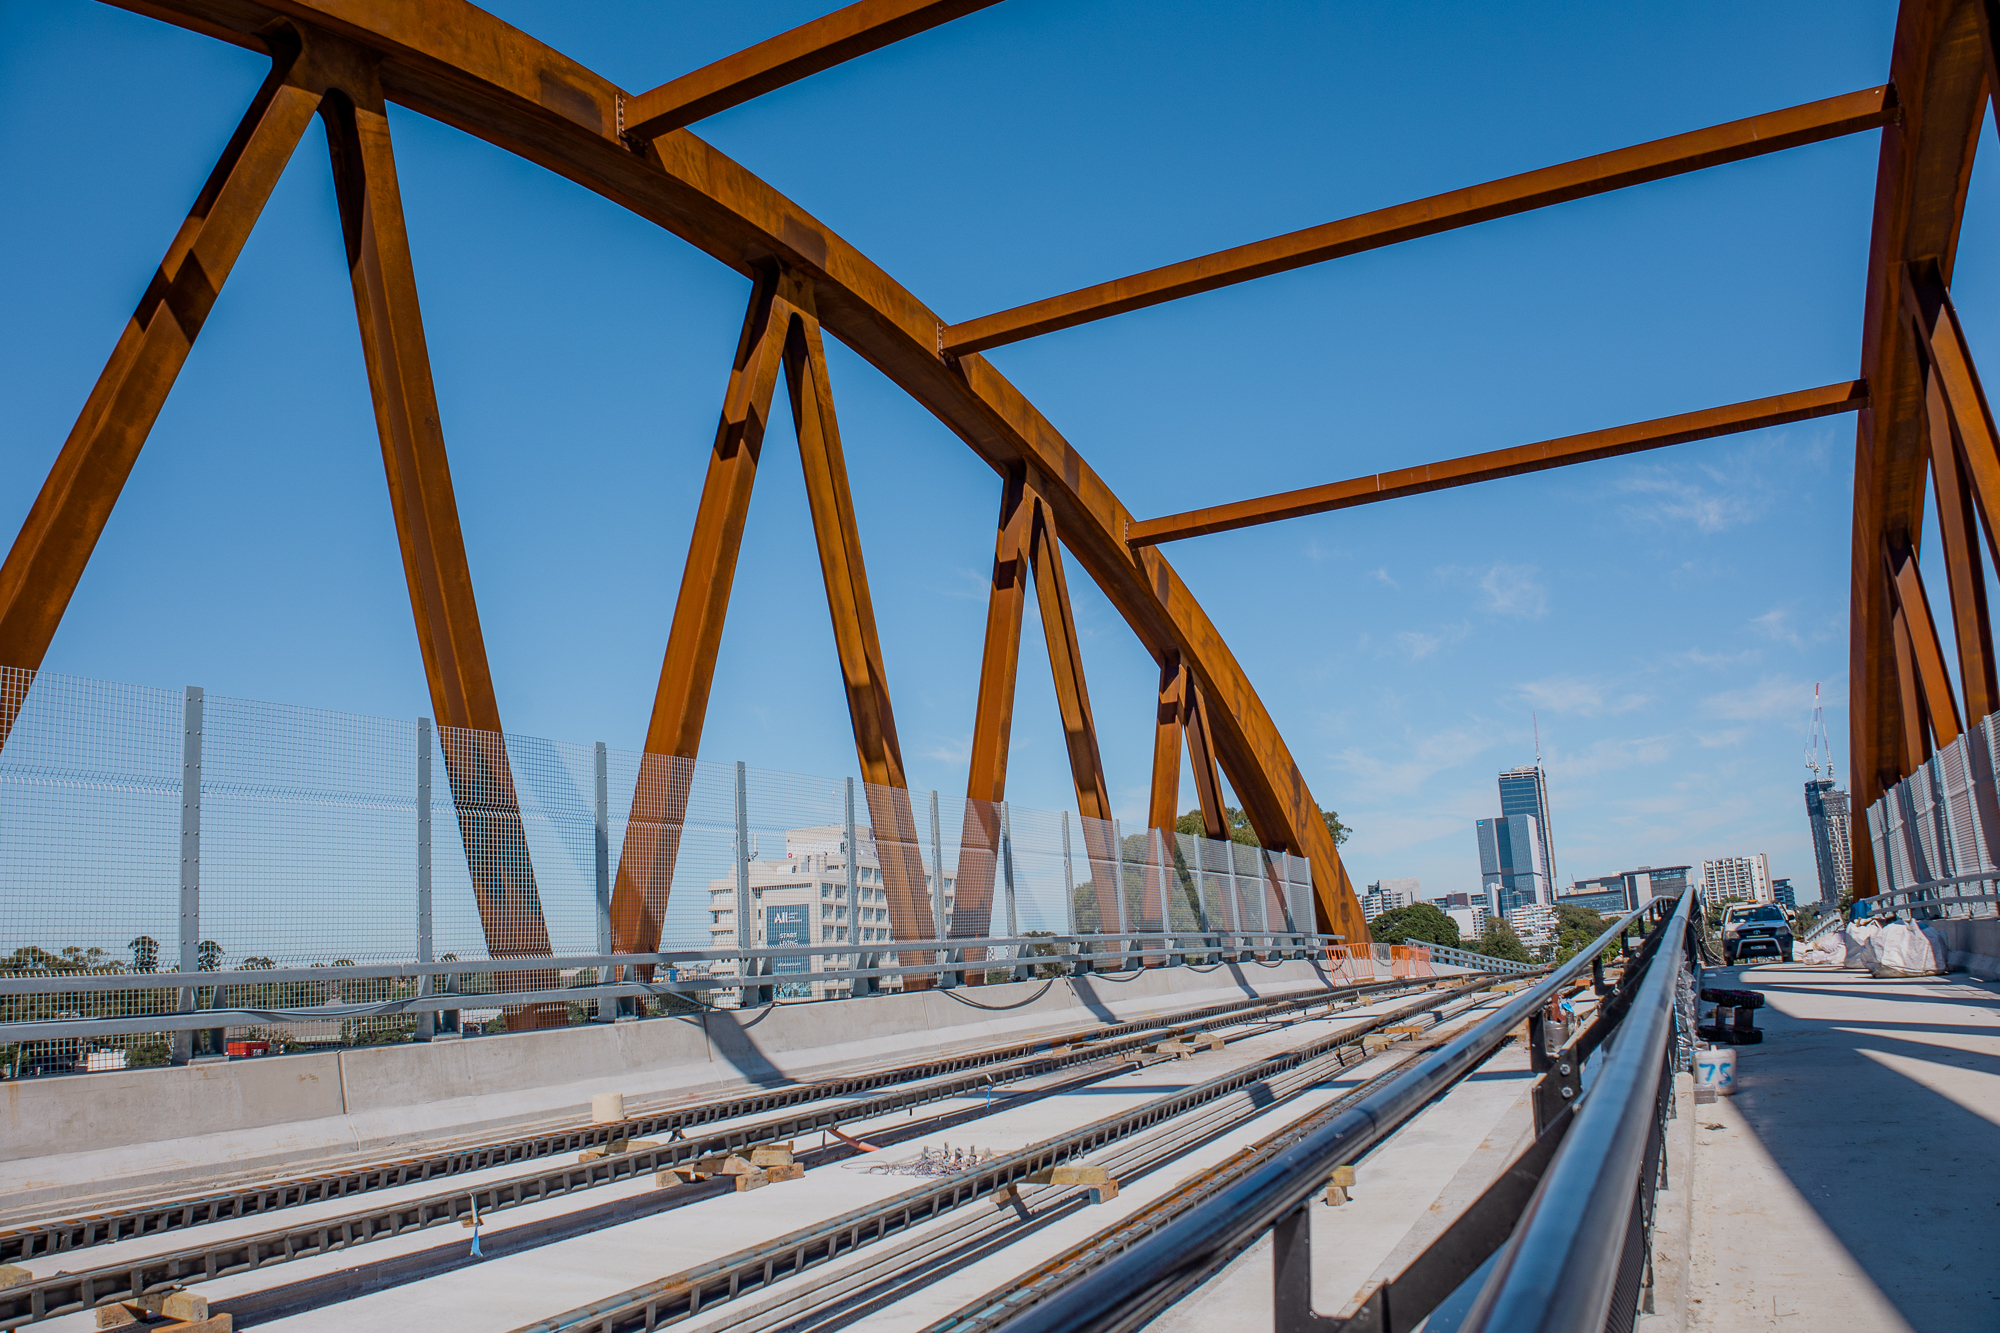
1959	507
1804	405
62	528
1913	605
1169	719
1772	132
687	671
426	512
891	819
1938	67
806	50
993	717
451	61
1207	780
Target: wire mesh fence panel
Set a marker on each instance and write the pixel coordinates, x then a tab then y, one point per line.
321	839
90	805
797	873
308	836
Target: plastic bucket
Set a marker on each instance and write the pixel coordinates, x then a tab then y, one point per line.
1715	1070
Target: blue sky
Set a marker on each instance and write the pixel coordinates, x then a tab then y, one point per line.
1665	616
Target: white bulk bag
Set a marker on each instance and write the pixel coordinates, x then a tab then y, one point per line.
1828	951
1902	950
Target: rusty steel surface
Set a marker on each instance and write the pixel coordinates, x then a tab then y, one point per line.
1619	440
1923	414
1939	67
47	559
1682	153
786	58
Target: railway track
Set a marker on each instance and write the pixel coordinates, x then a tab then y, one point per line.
1139	1140
123	1217
922	1082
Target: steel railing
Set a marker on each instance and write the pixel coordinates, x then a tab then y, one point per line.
1133	1287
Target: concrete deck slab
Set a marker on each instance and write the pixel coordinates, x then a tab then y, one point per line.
1405	1192
504	1292
1850	1184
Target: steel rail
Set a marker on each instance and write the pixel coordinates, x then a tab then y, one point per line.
1557	1272
1072	1264
67	1293
839	1300
685	1294
106	1225
1134	1286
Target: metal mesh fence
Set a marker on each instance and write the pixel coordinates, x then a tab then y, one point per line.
1935	833
146	830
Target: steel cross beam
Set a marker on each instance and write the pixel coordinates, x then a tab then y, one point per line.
1027	546
1772	132
807	49
1804	405
47	559
1939	70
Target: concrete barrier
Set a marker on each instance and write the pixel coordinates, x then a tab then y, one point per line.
1973	945
68	1135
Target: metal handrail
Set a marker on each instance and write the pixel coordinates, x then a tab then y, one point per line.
1127	1289
44	983
1558	1272
434	1000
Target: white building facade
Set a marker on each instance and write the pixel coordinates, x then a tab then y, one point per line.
801	898
1739	879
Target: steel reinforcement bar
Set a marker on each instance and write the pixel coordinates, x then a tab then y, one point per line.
682	1295
66	1293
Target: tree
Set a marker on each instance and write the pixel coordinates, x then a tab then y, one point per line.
1498	940
1576	928
1238	824
145	954
1419	923
208	956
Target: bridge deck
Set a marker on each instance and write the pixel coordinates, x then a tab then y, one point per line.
1851	1182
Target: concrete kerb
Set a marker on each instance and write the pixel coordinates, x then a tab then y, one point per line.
306	1112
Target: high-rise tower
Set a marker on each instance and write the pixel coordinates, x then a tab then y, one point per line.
1828	812
1525	791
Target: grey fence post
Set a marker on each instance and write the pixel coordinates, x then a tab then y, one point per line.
1124	962
867	984
1077	967
1007	867
191	718
746	933
945	980
1233	900
608	1007
426	944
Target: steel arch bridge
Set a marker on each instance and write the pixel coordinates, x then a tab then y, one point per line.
1923	417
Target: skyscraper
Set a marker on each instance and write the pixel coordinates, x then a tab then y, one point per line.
1510	862
1525	791
1827	811
1743	879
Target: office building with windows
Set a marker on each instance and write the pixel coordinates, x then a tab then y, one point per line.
1511	868
801	898
1737	879
1385	895
1525	791
1827	811
1781	894
1615	895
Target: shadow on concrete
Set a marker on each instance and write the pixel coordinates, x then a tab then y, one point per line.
957	994
730	1037
1903	1175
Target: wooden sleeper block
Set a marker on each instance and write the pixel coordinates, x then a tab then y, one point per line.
753	1179
774	1154
1070	1175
